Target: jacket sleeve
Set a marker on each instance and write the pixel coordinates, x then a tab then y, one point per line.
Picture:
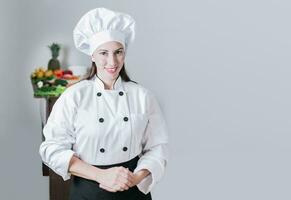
56	151
154	156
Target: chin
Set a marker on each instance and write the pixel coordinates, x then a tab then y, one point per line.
113	77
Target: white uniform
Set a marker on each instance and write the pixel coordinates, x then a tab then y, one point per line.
104	127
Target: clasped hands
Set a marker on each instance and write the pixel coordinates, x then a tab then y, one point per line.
119	178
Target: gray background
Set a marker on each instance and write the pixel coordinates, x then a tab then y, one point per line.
220	70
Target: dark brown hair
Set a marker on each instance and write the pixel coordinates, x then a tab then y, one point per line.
122	73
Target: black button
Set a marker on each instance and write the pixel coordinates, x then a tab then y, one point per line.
121	93
99	94
125	119
124	148
102	150
101	120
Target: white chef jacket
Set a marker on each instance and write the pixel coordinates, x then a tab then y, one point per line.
104	127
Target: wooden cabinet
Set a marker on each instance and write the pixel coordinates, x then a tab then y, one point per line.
58	188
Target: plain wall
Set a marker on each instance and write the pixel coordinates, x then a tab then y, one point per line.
220	70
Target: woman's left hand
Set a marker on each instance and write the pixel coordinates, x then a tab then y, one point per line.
137	178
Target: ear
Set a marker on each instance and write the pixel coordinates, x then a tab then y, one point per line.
92	58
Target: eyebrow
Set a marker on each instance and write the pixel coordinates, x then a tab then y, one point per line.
121	48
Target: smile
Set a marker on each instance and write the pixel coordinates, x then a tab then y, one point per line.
111	70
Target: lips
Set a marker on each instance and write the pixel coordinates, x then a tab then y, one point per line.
111	70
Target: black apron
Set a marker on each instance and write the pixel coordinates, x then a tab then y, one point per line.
84	189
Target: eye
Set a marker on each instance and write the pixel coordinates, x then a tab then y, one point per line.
103	53
119	52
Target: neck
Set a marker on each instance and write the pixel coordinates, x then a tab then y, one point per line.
108	84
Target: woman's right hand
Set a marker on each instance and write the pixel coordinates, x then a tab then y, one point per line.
115	179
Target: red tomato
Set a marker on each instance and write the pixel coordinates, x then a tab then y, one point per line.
59	73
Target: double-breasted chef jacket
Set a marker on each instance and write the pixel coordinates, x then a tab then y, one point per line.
104	127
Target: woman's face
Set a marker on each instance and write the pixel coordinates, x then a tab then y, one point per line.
109	59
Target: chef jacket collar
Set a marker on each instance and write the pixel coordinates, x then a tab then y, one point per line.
117	85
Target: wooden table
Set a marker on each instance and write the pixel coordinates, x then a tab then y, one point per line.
58	188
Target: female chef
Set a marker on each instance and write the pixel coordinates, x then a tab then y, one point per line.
107	131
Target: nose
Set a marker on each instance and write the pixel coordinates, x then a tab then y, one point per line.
112	60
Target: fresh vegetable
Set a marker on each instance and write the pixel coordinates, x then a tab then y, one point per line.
49	91
68	72
48	83
48	73
59	73
39	84
61	82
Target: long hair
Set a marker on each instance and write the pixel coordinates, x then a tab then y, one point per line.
122	73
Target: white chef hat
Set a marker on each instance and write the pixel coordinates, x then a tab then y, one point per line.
102	25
